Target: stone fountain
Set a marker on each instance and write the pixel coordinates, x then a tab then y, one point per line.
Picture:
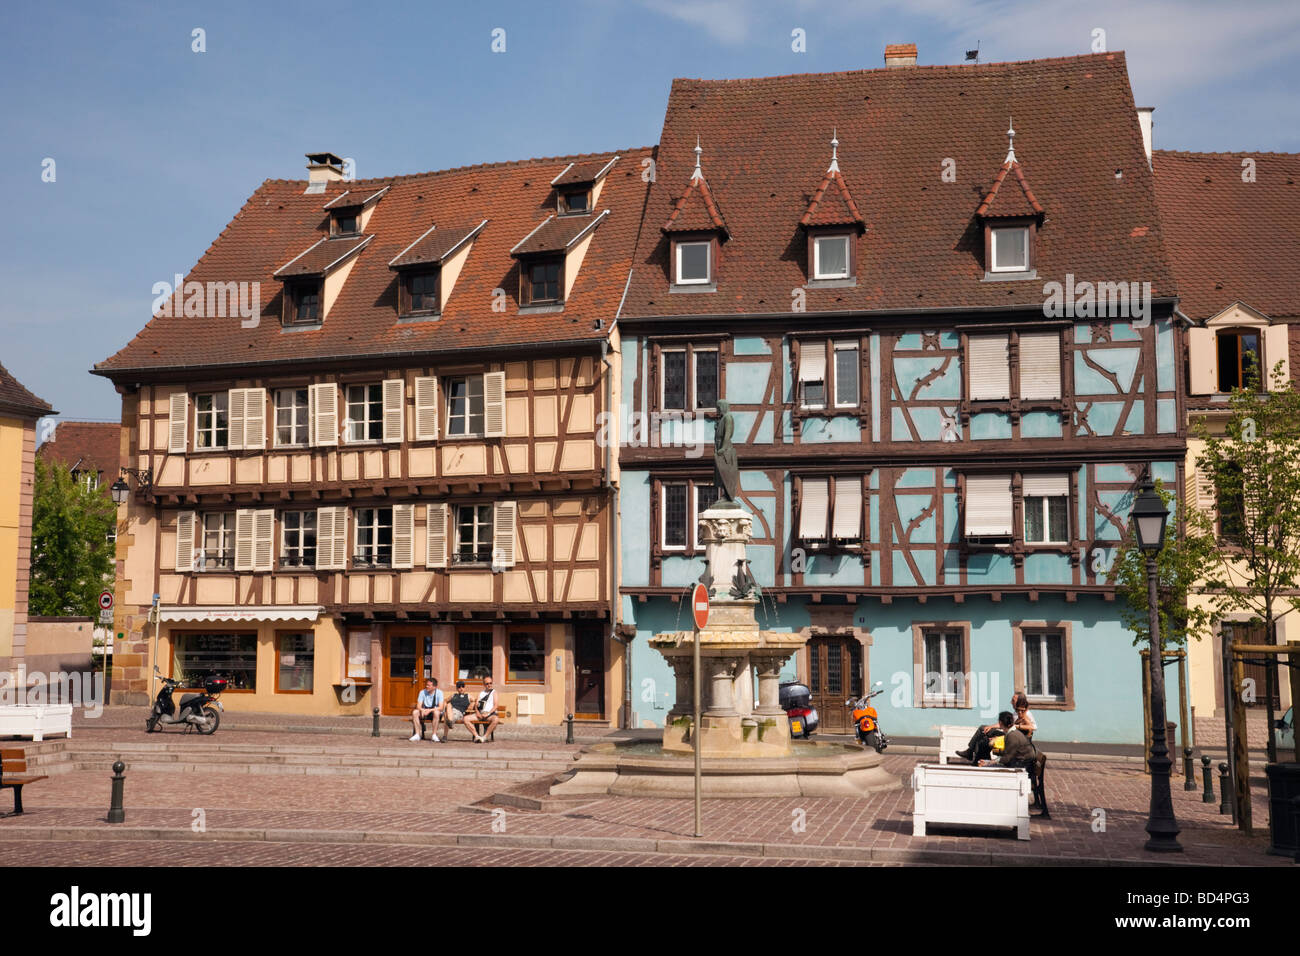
745	745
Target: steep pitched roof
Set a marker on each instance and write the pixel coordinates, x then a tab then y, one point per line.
435	245
323	256
1231	240
557	233
1011	202
696	210
278	222
85	446
832	204
15	399
1077	124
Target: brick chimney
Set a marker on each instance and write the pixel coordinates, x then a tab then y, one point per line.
324	168
900	54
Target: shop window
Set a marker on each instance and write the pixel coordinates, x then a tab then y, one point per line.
473	655
295	663
527	658
232	656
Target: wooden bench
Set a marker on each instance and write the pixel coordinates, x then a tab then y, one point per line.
14	776
35	721
970	796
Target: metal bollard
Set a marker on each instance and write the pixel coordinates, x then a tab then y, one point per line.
568	736
1208	795
1189	770
374	729
115	812
1225	804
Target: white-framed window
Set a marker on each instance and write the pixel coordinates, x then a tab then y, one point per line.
1047	509
694	262
831	257
217	549
1010	251
365	413
945	666
298	539
211	420
812	375
464	397
88	480
682	392
291	417
705	496
1044	665
374	538
675	515
846	374
473	534
830	509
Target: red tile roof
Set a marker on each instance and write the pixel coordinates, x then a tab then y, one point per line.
832	204
578	173
1010	202
279	221
16	400
1229	240
435	245
323	256
355	198
696	210
899	128
85	446
557	234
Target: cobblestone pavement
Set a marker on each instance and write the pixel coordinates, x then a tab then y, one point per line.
242	813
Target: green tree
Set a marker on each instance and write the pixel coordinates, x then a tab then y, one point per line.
71	553
1188	549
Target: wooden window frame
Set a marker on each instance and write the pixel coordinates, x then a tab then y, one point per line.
444	385
218	396
563	196
526	264
832	232
306	416
293	291
284	530
471	628
965	700
538	631
862	345
406	298
1065	628
690	346
225	534
1013	405
345	212
279	635
1030	227
693	546
374	565
1236	332
453	550
370	406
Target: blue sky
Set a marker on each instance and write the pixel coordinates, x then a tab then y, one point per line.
157	146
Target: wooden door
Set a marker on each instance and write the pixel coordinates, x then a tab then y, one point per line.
402	673
1258	672
589	664
834	675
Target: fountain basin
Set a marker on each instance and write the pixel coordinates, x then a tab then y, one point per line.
643	769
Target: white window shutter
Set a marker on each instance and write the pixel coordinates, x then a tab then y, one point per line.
812	362
988	505
235	418
403	536
263	539
812	509
503	534
185	522
331	538
494	404
1202	362
426	409
394	409
254	418
1040	365
1045	486
244	539
989	367
847	524
435	553
1276	349
323	401
178	419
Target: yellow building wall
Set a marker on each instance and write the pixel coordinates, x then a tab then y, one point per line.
11	480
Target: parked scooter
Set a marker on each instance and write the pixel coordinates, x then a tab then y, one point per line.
796	700
201	712
866	723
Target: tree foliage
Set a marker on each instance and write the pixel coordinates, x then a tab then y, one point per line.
71	553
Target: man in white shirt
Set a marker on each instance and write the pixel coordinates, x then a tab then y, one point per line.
485	709
428	704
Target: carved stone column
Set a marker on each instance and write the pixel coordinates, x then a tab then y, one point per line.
724	531
768	667
722	672
681	666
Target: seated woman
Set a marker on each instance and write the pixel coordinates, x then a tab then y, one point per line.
980	746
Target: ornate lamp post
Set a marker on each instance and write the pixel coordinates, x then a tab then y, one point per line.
1149	518
120	490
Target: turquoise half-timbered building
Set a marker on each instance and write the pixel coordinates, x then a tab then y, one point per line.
950	354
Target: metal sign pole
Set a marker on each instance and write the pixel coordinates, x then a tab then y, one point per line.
695	733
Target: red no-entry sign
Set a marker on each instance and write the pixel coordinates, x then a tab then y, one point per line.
700	605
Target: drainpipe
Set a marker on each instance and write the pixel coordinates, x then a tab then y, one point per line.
612	490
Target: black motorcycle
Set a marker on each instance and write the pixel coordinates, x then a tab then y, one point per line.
201	712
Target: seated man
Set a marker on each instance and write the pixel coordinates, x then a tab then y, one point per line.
485	708
981	742
428	704
456	709
1017	751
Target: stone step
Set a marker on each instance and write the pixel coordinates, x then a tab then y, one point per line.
496	774
406	749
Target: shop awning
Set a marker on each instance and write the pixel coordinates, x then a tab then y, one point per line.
277	612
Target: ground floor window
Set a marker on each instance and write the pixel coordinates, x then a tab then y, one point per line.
527	658
473	654
941	660
232	656
1045	665
296	659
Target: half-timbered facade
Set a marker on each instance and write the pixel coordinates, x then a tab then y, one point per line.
949	356
392	468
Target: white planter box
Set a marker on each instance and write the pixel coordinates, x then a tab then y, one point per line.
972	796
36	722
953	738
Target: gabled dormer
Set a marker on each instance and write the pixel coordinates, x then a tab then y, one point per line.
313	278
351	210
1011	216
427	269
833	224
550	256
696	232
577	188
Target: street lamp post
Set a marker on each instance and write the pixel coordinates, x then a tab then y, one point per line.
1149	518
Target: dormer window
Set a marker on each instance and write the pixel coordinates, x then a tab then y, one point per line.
574	201
418	292
1010	214
693	262
540	280
345	223
831	257
1009	249
302	305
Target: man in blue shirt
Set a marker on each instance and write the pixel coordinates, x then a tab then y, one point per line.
428	704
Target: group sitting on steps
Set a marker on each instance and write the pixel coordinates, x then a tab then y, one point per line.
480	719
